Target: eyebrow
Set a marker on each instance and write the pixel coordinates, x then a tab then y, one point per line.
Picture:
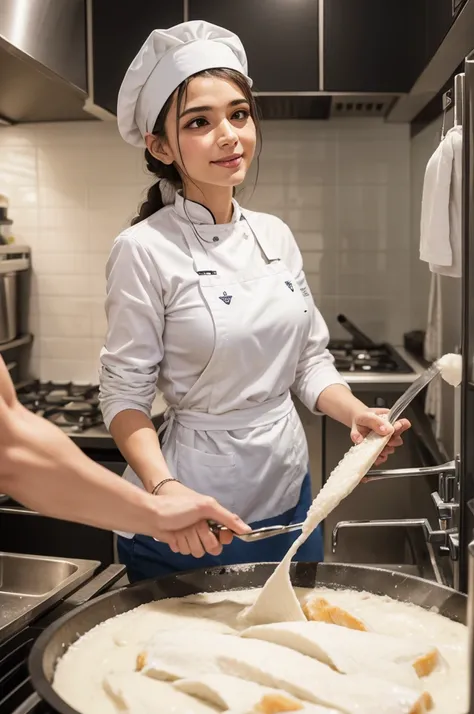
194	110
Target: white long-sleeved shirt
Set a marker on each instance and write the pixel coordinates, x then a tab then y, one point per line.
161	332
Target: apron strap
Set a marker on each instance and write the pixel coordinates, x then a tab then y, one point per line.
267	247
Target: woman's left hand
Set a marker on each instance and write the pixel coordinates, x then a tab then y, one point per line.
370	420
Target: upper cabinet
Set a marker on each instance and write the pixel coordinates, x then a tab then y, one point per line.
438	19
372	45
281	38
293	46
118	30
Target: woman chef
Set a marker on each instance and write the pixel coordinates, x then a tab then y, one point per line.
211	301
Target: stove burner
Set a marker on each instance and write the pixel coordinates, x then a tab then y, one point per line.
378	359
72	406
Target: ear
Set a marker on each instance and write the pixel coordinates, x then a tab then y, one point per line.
159	149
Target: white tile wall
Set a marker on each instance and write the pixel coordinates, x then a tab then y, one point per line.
342	186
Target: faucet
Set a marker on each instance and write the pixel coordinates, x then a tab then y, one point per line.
446	500
448	468
431	536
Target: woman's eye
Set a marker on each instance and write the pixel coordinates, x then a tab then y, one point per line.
241	115
197	123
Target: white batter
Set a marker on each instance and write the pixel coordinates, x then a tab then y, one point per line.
97	673
277	601
451	368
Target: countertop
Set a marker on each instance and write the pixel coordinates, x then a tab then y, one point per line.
99	437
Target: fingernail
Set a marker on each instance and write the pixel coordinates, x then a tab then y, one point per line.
383	428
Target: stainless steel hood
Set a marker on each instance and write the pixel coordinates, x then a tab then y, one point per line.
43	68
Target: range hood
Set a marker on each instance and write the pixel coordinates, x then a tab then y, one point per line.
323	105
43	68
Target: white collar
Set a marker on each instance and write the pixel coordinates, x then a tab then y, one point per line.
199	214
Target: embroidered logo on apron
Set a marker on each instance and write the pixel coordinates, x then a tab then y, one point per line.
289	285
225	298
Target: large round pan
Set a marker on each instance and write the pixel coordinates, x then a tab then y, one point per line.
54	641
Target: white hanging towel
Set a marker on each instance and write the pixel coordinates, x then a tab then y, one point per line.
440	239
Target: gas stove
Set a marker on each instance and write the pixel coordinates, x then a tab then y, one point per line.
378	359
72	406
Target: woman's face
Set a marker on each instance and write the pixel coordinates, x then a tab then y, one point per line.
217	135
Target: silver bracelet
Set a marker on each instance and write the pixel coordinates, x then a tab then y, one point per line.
160	484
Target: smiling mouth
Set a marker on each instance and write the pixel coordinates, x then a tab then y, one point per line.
229	161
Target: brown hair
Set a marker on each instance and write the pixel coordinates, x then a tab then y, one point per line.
154	201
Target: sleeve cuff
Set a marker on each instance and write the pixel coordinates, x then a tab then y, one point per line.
110	411
311	391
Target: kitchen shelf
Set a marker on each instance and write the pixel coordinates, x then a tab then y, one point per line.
18	342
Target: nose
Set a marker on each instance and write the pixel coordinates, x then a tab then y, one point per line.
228	136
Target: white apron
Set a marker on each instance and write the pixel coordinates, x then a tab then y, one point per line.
222	454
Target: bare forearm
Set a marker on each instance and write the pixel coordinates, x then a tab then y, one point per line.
76	489
339	403
138	442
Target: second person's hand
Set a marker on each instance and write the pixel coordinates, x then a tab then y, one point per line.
184	516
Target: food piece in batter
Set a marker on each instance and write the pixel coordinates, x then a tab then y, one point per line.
351	651
277	601
320	610
184	654
276	703
232	693
134	694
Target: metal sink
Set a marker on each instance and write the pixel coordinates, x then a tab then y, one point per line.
403	548
31	584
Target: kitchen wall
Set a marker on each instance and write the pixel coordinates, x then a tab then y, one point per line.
343	186
422	147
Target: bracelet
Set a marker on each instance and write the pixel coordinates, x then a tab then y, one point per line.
160	484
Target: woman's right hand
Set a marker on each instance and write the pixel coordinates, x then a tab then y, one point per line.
183	521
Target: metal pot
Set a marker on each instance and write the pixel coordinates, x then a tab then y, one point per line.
8	306
54	641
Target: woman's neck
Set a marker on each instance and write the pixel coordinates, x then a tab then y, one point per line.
217	199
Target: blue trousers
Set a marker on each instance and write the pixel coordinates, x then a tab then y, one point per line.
145	558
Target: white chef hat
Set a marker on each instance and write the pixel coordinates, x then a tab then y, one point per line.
166	59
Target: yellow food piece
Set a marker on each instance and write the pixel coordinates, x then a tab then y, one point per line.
320	610
424	704
141	661
425	664
276	703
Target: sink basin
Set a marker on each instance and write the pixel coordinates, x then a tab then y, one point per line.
403	549
31	584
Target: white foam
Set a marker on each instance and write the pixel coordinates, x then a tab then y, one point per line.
451	368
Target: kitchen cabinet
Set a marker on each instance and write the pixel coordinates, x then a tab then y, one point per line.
373	45
280	38
119	29
438	20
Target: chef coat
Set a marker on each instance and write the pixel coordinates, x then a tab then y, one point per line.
221	318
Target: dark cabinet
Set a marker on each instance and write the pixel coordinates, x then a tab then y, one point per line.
119	29
279	36
373	45
438	20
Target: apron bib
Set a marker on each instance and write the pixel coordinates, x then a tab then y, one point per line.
260	317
